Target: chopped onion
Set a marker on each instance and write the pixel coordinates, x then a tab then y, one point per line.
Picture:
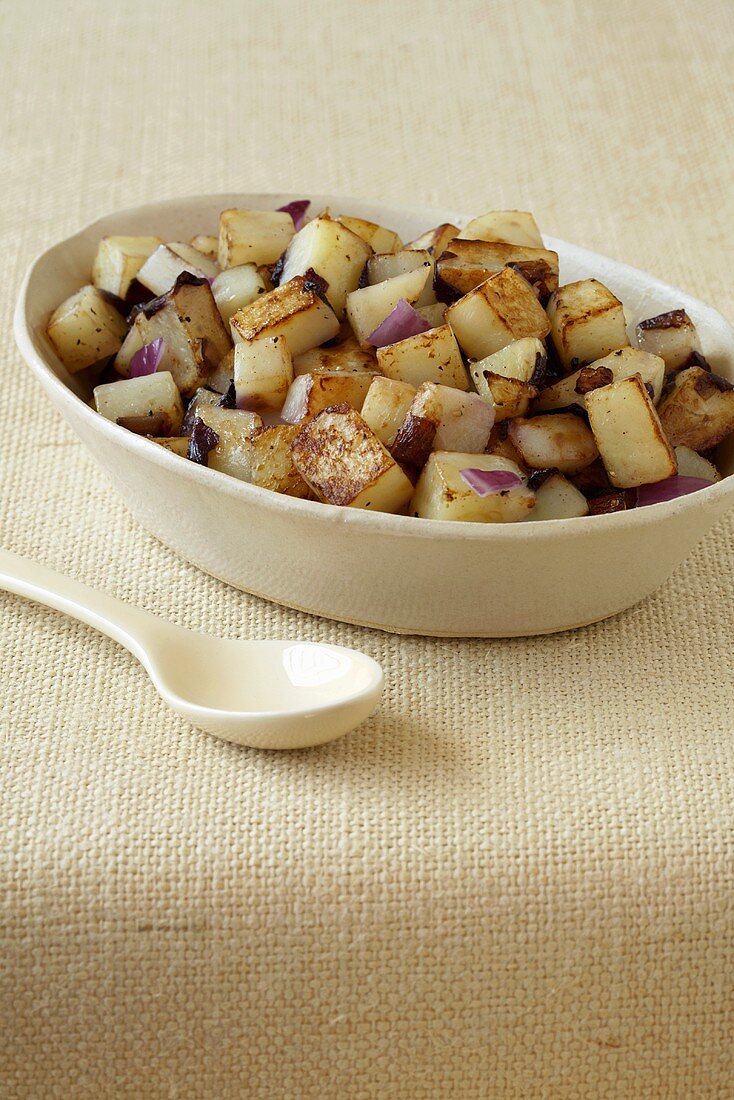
402	322
203	439
148	358
297	210
670	489
487	482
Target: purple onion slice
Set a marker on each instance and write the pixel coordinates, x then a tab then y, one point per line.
486	483
297	210
402	322
148	358
670	489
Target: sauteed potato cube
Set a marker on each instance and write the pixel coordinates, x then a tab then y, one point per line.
442	493
331	250
293	310
628	432
85	328
431	356
253	236
699	409
587	322
149	405
119	260
497	312
345	463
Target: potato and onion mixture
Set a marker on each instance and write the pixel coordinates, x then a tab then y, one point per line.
452	377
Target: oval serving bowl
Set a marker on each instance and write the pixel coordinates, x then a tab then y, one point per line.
398	573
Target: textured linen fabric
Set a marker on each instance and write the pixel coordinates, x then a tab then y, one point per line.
516	879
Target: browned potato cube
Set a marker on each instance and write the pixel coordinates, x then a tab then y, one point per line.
672	336
560	441
442	493
310	393
587	322
368	306
629	434
620	364
698	412
557	498
161	269
510	226
208	245
497	312
465	264
344	463
331	250
523	359
441	418
253	236
431	356
510	396
293	310
118	261
263	371
435	240
149	405
376	236
85	328
386	265
346	356
195	339
386	406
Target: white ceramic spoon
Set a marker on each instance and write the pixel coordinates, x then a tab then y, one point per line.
270	695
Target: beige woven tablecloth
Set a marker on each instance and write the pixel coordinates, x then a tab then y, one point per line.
514	881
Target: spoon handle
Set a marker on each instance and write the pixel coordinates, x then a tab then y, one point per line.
126	625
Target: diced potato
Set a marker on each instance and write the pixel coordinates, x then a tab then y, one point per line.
699	409
386	406
619	364
194	337
271	461
386	265
629	434
441	418
263	371
346	356
310	393
497	312
203	397
442	493
235	429
510	396
508	226
501	444
293	310
149	405
223	374
178	444
208	245
197	259
331	250
557	498
132	343
434	313
691	464
435	240
160	271
119	260
377	237
587	322
524	359
370	305
344	463
85	328
560	441
236	288
431	356
467	263
253	236
672	336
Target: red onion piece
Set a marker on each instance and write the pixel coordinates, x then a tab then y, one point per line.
148	358
404	321
670	489
487	482
202	440
297	210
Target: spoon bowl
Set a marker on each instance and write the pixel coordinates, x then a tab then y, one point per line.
266	694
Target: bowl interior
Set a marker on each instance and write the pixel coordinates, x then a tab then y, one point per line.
66	266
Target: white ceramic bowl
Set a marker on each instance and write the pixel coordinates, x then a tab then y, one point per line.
398	573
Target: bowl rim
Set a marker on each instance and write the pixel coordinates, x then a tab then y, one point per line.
381	523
